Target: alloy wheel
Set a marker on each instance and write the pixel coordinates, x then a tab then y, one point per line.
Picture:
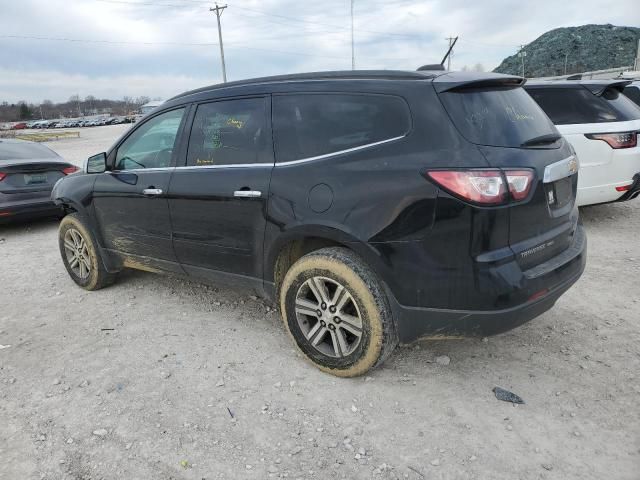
77	253
328	317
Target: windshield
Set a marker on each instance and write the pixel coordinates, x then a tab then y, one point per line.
500	117
24	151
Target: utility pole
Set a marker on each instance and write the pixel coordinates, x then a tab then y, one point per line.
353	54
451	43
522	53
636	62
566	57
218	11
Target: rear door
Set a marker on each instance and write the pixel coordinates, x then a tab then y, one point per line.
130	201
513	132
218	196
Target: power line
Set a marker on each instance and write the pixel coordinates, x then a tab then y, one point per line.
115	42
112	42
262	12
219	11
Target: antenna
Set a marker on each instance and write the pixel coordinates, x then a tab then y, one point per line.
452	42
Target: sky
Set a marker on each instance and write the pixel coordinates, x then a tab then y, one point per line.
53	49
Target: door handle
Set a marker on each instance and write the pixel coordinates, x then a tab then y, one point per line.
247	193
152	191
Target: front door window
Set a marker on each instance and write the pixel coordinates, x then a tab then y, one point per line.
151	145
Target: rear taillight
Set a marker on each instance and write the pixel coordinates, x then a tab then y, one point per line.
485	187
519	182
479	186
70	170
616	140
2	175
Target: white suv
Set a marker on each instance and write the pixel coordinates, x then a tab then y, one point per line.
602	125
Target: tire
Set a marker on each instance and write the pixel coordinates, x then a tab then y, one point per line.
352	331
82	260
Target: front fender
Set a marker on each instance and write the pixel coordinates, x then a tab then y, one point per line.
74	192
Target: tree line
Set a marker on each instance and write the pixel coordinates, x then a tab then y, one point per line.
72	108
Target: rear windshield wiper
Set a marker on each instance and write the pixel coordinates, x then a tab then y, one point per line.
545	139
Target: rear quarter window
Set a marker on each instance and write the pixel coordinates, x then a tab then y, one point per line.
312	125
496	116
570	106
633	93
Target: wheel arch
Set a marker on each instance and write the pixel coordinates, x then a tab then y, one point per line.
296	242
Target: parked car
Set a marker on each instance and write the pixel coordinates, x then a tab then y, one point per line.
633	91
602	125
28	171
19	126
375	207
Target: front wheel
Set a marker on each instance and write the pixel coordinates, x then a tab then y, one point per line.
337	312
81	256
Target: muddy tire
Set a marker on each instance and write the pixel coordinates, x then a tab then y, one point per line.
81	256
336	311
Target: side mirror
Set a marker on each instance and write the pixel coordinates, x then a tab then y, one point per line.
96	163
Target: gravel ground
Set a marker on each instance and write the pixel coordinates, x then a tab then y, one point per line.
161	378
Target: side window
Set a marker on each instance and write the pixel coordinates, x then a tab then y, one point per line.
309	125
151	144
229	132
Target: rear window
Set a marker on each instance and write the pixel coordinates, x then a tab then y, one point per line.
500	117
24	151
311	125
633	93
569	106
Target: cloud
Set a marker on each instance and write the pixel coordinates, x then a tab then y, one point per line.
160	47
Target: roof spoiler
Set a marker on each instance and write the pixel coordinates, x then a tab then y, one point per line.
599	88
442	84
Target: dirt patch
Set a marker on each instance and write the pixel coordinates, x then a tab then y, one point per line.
185	381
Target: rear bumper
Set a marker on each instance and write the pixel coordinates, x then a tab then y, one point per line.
554	277
25	210
597	182
633	191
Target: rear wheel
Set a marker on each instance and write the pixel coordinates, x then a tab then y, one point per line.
81	256
337	312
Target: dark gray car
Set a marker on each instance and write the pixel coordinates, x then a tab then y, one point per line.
28	172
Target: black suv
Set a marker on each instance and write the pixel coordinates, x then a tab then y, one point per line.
375	207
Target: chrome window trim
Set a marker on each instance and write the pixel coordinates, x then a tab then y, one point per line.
158	169
562	169
230	165
270	164
339	152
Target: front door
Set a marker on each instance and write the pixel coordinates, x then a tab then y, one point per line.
130	201
218	197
